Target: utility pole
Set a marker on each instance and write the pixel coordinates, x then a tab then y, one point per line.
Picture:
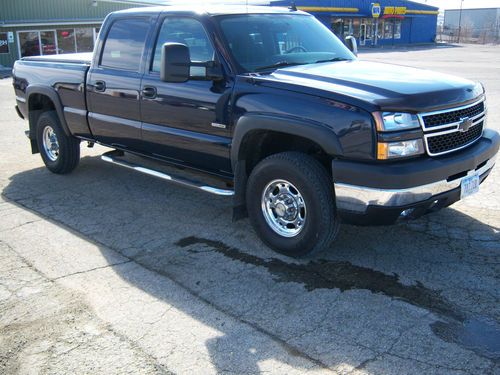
460	20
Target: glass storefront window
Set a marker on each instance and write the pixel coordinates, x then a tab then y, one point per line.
48	40
397	29
66	41
388	30
51	42
84	39
96	33
29	43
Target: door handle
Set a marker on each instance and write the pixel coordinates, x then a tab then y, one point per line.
149	92
100	86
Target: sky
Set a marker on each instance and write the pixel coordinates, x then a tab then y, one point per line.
442	4
455	4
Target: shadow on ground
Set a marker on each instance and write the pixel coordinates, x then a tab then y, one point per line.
378	289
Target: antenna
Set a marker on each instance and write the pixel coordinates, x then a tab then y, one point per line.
293	7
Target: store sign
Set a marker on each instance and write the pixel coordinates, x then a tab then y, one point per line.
11	36
376	10
394	11
4	43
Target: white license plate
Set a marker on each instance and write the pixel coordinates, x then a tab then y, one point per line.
469	186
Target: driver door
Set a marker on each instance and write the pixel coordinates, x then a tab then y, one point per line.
186	122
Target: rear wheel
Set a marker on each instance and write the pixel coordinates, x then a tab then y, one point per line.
60	153
291	204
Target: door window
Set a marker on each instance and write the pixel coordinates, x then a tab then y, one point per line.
187	31
125	43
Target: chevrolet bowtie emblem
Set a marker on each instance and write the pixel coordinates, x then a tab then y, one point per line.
465	124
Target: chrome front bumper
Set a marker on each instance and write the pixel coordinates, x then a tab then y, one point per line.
357	198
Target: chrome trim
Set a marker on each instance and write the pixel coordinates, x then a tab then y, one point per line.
179	180
431	135
20	99
358	198
453	109
452	127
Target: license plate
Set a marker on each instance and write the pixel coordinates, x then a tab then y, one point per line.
469	186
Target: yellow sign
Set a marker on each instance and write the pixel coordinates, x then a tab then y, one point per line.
400	11
376	10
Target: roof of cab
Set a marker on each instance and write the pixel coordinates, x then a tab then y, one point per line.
214	10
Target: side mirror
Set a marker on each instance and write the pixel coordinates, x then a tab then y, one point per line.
351	43
175	63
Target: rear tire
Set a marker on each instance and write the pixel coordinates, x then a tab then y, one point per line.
60	153
291	204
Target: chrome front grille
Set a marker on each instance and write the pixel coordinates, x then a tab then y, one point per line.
453	129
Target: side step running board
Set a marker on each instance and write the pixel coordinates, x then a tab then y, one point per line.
112	157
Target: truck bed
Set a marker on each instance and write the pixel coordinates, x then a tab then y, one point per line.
75	58
63	75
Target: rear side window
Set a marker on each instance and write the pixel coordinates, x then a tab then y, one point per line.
125	43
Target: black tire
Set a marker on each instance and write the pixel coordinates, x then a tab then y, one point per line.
313	183
68	154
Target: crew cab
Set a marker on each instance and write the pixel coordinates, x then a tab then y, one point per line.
265	105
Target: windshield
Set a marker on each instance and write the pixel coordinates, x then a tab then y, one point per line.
261	42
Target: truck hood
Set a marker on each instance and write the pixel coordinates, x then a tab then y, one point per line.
383	86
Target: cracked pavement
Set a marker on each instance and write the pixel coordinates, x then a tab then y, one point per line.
108	271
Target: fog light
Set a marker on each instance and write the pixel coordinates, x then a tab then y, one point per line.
400	149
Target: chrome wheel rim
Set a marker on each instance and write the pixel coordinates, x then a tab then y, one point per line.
50	143
284	208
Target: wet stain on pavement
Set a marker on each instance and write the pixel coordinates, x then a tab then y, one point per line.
479	335
322	274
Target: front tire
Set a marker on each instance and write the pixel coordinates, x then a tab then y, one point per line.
291	204
60	153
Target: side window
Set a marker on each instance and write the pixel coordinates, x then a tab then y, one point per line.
124	44
187	31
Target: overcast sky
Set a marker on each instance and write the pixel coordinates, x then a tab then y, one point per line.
455	4
442	4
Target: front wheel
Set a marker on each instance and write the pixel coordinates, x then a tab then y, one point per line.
60	153
291	204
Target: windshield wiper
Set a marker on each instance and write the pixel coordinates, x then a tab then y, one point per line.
279	64
332	60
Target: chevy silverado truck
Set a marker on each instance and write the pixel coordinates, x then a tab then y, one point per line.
265	105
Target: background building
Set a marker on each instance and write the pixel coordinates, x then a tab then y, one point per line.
475	25
35	27
384	22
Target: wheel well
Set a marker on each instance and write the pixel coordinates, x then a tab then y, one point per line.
260	144
38	104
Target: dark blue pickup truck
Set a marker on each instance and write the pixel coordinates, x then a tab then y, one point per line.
265	105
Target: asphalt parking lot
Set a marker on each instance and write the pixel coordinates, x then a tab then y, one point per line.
108	271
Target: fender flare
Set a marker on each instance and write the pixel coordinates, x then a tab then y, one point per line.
316	132
54	97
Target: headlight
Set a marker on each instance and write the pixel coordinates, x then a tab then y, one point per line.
394	121
390	150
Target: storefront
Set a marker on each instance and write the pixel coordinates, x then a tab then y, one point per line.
33	27
386	22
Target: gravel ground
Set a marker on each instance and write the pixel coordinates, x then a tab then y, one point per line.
107	271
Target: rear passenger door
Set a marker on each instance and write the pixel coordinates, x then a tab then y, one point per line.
114	82
186	122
